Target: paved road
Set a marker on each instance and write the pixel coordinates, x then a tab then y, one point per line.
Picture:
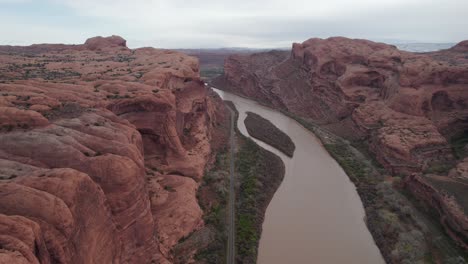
231	245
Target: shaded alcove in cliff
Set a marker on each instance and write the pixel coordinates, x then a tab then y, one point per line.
152	145
441	102
459	143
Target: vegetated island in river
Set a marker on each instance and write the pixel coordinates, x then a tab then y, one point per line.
262	129
259	174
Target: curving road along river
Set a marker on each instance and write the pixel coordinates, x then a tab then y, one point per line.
316	216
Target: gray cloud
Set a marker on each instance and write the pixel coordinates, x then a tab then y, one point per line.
261	23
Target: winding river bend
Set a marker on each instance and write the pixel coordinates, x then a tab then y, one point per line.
316	215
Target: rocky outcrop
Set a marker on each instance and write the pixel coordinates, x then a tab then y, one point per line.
405	106
362	89
101	151
461	47
446	198
108	42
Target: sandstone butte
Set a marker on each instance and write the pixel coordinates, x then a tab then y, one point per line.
102	149
406	106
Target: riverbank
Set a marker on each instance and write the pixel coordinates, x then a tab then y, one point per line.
208	244
316	209
259	173
403	233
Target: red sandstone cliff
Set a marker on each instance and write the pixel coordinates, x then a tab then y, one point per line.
101	151
372	89
407	106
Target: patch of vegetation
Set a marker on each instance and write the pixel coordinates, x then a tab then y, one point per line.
246	233
123	58
23	98
66	110
343	155
262	129
117	96
210	242
23	126
459	144
260	174
7	128
439	168
210	73
212	196
169	188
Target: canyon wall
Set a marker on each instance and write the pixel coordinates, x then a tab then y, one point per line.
101	150
406	107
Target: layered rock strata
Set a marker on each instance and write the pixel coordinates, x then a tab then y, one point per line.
101	151
407	107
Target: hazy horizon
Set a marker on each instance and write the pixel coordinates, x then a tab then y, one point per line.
401	44
223	24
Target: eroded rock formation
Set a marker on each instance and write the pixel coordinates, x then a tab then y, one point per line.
101	151
407	106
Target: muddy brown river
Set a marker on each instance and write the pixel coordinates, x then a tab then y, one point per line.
316	215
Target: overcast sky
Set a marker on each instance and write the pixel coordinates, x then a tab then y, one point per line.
234	23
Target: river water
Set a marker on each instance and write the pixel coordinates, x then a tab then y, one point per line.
316	215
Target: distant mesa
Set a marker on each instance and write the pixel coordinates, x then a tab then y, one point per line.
95	43
461	47
105	42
